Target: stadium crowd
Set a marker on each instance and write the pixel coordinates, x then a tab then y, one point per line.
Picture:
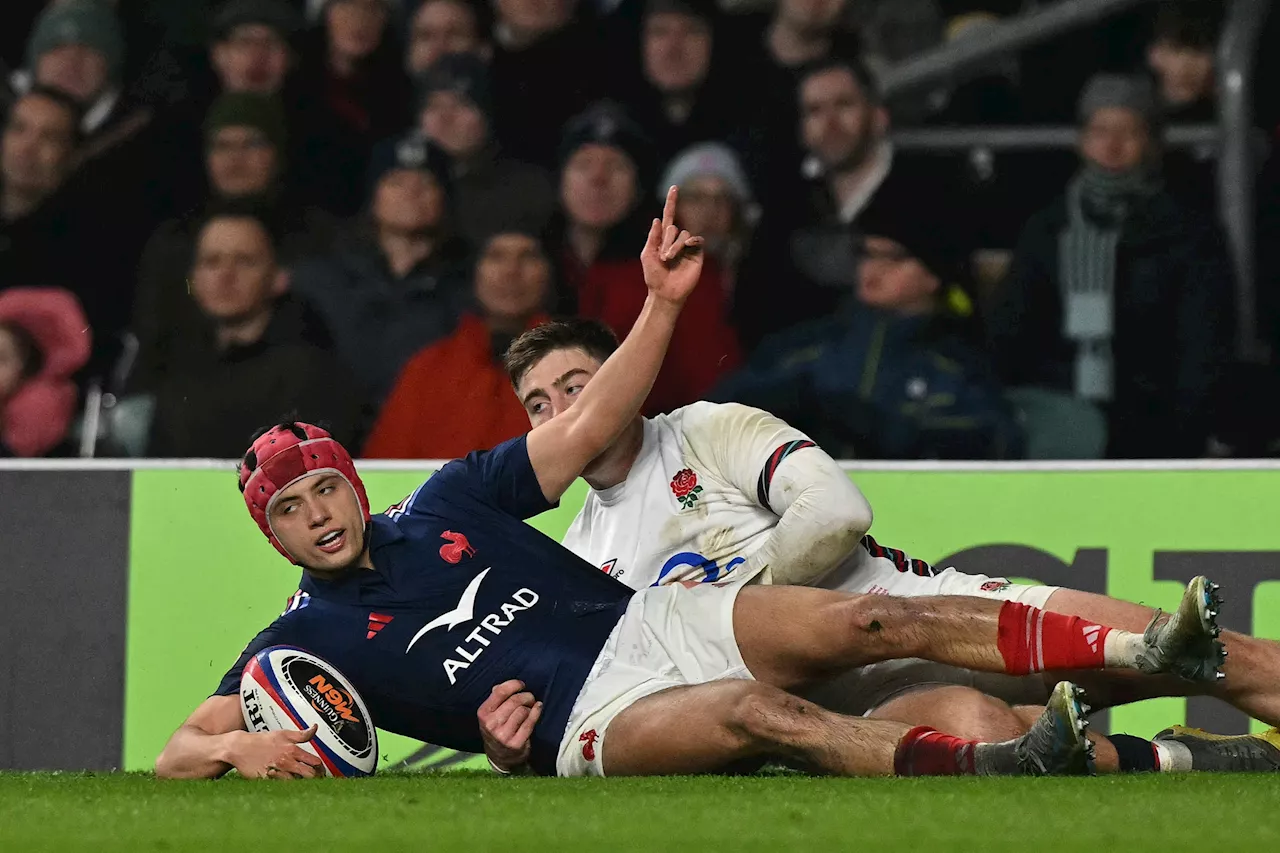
214	212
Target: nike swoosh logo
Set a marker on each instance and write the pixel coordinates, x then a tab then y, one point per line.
462	613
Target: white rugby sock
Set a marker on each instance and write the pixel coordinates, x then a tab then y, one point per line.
1172	757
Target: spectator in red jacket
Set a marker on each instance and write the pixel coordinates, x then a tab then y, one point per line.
454	396
605	157
44	340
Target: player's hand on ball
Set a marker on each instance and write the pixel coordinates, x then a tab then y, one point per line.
276	755
672	259
507	719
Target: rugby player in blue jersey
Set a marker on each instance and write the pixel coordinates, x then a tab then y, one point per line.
675	679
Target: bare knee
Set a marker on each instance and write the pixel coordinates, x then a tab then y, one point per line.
956	710
764	719
881	623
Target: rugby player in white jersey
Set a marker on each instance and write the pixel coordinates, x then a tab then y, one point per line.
727	493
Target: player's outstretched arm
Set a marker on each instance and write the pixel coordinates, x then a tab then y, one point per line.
213	740
561	448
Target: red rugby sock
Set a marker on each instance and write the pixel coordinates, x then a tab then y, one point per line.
928	752
1033	640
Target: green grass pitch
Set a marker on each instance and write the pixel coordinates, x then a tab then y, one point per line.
478	812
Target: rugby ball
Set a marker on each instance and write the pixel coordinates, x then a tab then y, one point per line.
284	687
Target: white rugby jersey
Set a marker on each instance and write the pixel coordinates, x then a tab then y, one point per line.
695	504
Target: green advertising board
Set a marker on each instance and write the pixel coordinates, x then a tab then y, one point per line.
203	581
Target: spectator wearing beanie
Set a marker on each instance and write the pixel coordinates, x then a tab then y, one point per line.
78	47
716	203
398	281
462	375
254	49
602	185
245	163
456	114
897	372
441	27
1108	277
44	340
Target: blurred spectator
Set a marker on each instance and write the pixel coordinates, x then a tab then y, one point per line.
456	113
399	283
797	34
440	27
50	233
1181	55
852	175
546	68
362	71
354	64
454	397
604	156
259	367
44	340
897	372
251	50
78	47
1119	295
684	99
245	144
715	203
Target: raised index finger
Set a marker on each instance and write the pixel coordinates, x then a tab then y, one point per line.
669	210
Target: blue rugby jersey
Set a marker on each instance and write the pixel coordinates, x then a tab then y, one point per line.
463	595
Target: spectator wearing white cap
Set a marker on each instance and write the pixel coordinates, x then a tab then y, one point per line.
716	203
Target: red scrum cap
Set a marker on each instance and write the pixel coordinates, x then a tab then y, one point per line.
282	456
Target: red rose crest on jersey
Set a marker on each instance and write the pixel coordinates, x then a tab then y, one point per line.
995	586
457	548
588	740
684	485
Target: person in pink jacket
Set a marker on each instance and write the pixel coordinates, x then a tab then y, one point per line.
44	340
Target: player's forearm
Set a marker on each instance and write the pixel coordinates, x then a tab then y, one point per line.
618	390
823	517
193	753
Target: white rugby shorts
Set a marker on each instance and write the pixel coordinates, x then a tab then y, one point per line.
670	636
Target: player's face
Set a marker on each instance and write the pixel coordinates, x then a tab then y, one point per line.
319	522
840	126
1115	139
552	385
677	51
241	162
77	69
440	27
253	58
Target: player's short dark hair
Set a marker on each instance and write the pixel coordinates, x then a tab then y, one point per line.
29	352
853	65
1193	24
591	336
